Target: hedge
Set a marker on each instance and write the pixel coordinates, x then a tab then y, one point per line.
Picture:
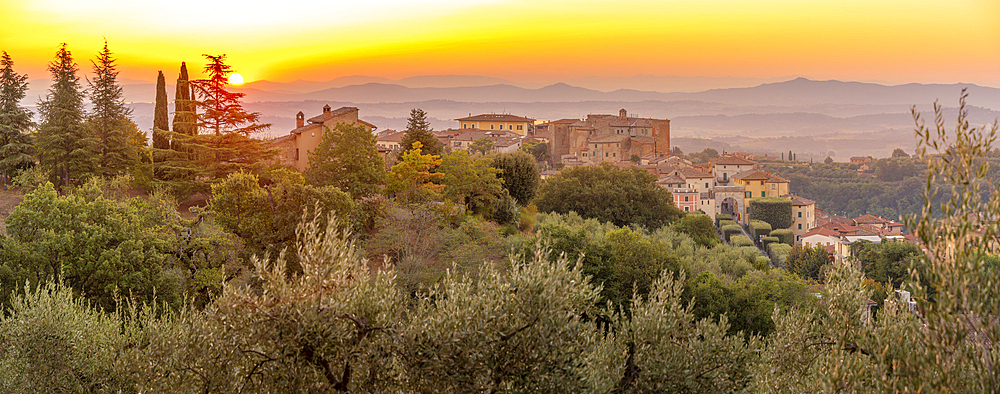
724	223
753	251
720	217
762	263
768	240
779	253
784	236
730	230
740	240
776	211
759	228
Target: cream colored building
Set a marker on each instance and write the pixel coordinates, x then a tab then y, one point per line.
307	134
803	215
498	122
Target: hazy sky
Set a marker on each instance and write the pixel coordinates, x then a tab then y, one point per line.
895	41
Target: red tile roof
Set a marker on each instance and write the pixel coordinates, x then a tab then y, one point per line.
495	118
733	160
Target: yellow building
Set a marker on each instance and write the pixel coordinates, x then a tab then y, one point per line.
803	215
776	186
499	122
307	134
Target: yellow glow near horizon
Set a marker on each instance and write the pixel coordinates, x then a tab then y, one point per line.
895	41
235	79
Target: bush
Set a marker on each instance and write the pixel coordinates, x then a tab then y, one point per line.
759	228
740	240
784	236
730	230
774	210
727	222
720	217
762	263
779	253
699	227
768	240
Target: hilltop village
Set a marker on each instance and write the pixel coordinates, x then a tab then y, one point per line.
724	185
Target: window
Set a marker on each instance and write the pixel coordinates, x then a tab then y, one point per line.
725	176
800	213
762	183
687	208
762	193
685	198
296	154
465	126
706	185
595	146
491	127
800	226
613	155
605	154
519	127
748	195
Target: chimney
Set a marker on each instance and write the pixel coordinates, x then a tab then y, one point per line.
326	109
300	119
623	114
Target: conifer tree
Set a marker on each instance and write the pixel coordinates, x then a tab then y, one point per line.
419	129
161	122
109	120
185	119
16	149
65	147
224	144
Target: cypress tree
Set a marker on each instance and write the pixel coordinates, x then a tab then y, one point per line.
66	149
16	149
185	119
161	122
109	120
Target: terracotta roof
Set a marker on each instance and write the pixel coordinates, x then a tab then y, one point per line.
306	127
371	126
392	137
670	179
689	172
337	112
840	227
495	118
799	201
281	139
479	134
752	175
733	160
643	140
869	219
821	231
777	179
565	121
631	122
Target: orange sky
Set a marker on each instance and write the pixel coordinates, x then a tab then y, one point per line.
896	41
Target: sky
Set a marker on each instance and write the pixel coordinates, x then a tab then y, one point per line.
895	42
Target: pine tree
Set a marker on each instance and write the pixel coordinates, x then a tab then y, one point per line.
65	147
419	129
16	149
224	145
109	120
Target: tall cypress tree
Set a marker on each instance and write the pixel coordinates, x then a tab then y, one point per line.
161	122
185	119
65	147
109	120
16	149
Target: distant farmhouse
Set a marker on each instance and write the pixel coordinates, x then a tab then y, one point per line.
306	135
498	122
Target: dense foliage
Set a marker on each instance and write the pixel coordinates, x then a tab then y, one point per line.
346	158
520	175
16	150
608	193
775	211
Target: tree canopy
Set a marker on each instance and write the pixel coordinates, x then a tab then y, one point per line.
608	193
347	159
66	149
418	129
520	175
16	149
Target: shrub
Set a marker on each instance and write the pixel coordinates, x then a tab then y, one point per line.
779	253
727	222
762	263
784	236
759	228
740	240
699	227
768	240
730	230
720	217
773	210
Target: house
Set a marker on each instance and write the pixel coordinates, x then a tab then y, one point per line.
670	182
803	215
726	166
879	225
844	242
502	140
686	199
860	159
695	179
499	122
819	236
389	141
307	134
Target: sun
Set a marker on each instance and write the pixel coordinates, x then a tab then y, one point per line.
236	79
